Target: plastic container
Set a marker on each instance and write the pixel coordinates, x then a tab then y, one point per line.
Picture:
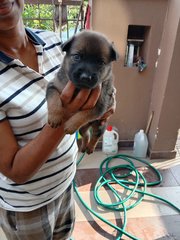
110	141
140	144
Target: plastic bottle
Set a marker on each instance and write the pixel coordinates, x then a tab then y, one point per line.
140	144
110	141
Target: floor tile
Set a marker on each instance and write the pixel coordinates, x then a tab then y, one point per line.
149	207
87	178
151	220
149	228
176	172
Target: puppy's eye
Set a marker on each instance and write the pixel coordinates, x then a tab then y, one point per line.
101	62
76	57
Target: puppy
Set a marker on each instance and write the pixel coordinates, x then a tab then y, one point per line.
87	63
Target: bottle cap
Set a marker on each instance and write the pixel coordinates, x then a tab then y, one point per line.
109	128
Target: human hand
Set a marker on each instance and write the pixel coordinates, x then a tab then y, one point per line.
84	100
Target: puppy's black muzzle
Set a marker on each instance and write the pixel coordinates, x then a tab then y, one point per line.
84	79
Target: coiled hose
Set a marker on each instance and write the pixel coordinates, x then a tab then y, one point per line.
117	176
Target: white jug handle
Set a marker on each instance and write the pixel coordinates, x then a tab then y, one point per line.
116	136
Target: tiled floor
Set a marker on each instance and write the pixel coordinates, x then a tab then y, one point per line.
150	220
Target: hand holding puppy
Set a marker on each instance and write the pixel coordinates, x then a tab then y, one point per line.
86	99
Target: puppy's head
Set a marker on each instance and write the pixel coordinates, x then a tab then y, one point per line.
88	58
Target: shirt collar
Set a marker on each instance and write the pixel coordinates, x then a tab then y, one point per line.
35	39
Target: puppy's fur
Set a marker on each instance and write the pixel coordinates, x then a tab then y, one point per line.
87	63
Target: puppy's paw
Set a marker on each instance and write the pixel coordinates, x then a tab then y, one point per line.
69	129
89	150
55	121
86	149
91	146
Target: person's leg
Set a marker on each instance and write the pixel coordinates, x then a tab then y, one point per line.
7	224
53	221
66	216
34	225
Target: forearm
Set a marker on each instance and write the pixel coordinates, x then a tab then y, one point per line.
31	157
21	163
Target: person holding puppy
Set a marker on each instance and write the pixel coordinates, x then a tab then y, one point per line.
37	162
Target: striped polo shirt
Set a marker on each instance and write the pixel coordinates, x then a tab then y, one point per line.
23	103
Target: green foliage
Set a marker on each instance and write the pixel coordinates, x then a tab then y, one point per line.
41	16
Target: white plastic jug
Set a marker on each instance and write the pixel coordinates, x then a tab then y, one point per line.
140	144
110	141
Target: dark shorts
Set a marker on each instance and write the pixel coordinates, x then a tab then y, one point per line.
54	221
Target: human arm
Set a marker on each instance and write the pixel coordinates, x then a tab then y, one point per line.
21	163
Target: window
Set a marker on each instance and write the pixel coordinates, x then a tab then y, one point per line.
65	16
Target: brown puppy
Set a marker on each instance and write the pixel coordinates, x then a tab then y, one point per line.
87	63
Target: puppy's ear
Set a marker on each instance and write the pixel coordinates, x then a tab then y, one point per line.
67	45
114	54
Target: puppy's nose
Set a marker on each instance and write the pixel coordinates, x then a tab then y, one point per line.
85	76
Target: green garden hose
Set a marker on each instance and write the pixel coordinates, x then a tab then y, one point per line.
122	175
